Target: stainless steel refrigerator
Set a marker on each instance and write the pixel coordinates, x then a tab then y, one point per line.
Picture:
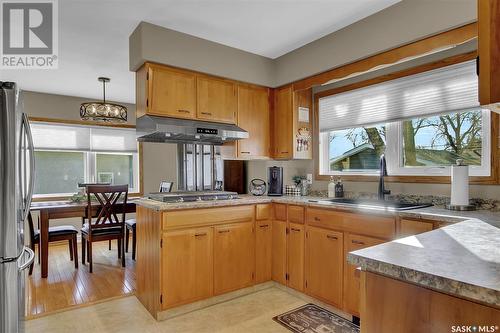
16	189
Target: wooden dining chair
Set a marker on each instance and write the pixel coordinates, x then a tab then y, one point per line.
106	226
57	233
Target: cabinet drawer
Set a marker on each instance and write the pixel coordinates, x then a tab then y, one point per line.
413	227
207	216
296	214
324	218
280	212
263	211
376	226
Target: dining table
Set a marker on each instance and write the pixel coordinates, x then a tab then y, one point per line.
51	210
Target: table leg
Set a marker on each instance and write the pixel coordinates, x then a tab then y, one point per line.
44	242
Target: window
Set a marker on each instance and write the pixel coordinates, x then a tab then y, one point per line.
66	155
425	123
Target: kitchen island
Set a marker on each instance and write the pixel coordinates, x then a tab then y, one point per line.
195	254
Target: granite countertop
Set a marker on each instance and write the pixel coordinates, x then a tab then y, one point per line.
462	260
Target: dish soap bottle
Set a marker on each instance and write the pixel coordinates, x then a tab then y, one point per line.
339	189
331	188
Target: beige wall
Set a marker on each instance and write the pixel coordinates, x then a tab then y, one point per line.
150	42
404	22
159	160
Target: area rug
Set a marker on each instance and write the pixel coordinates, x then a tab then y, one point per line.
311	318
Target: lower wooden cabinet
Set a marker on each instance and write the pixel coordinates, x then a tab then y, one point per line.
324	265
353	242
295	256
263	250
187	266
234	256
279	251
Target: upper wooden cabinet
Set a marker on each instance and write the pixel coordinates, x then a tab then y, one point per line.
489	52
163	91
254	117
292	123
217	100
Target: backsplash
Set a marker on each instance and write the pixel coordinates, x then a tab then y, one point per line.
483	196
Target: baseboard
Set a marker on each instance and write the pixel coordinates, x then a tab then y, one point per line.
183	309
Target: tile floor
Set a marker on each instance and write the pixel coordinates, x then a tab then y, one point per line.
251	313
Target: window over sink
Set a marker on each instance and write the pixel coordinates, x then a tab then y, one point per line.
66	155
422	123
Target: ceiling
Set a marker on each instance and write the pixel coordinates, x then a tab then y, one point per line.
93	35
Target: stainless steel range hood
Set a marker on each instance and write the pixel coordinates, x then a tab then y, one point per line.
163	129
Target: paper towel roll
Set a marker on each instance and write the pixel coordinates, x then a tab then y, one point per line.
459	184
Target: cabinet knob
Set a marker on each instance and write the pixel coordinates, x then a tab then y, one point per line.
331	237
317	218
223	231
244	152
295	229
357	242
264	226
200	234
183	111
206	113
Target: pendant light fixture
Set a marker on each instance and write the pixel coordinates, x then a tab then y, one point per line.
103	111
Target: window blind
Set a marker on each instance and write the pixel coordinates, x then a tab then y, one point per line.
447	89
48	136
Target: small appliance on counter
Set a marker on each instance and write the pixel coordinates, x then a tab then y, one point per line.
257	187
275	181
339	189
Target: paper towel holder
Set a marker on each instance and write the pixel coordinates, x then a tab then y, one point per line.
460	162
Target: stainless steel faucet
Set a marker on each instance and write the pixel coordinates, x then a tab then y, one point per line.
383	172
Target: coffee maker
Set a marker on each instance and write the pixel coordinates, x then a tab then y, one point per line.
275	181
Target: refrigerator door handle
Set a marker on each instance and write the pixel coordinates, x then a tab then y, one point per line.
31	183
26	187
27	263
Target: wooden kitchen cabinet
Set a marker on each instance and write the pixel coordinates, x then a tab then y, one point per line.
263	243
279	253
353	242
295	256
166	92
254	117
292	134
283	123
187	266
413	227
324	265
489	52
234	256
216	100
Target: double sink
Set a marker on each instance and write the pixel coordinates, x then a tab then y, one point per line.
372	204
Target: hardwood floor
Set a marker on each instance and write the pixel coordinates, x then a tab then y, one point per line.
68	287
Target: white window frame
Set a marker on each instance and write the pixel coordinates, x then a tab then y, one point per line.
90	170
394	155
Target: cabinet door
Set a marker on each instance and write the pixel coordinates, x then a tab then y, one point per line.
234	256
413	227
353	242
296	238
283	123
172	93
187	266
253	116
279	252
324	263
263	251
217	100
